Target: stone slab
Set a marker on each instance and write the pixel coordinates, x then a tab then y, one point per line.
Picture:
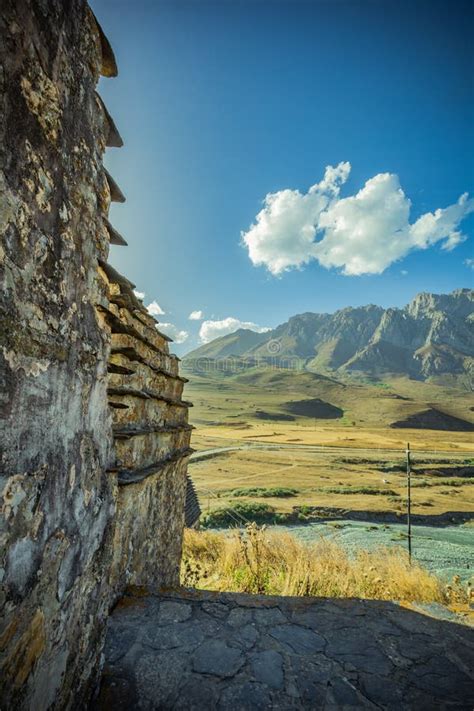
243	652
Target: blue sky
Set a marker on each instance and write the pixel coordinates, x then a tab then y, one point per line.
221	103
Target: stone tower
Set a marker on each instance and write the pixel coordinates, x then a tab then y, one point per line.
94	432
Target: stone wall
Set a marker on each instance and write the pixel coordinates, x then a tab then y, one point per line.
92	494
151	435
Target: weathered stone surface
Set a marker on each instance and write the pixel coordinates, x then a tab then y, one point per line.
133	410
267	668
216	609
290	668
245	636
71	536
137	350
149	529
215	657
298	639
143	377
56	437
163	670
245	696
239	617
185	636
146	449
270	616
171	611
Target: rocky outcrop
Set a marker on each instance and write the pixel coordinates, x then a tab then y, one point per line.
433	335
94	437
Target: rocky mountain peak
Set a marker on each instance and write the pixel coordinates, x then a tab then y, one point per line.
432	335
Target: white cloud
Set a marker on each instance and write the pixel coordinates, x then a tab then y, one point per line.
360	234
196	316
173	332
155	309
214	329
140	295
469	263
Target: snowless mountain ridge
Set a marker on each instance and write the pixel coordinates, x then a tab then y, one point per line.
432	335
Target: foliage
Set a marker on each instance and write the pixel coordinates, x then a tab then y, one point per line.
454	481
238	514
265	492
370	490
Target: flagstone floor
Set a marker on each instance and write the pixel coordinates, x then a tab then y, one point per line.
204	651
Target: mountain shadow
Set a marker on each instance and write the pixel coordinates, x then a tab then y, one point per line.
314	408
433	419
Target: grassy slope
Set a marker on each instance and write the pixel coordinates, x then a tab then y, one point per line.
224	413
323	480
229	399
270	563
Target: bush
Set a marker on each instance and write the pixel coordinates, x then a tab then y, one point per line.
454	481
238	514
266	493
371	490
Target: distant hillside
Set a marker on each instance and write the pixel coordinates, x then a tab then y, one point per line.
432	335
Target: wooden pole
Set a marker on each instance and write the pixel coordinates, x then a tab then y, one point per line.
409	500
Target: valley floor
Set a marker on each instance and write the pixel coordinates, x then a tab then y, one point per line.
345	478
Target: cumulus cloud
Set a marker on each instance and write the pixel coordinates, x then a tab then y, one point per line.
360	234
173	332
214	329
469	263
155	309
196	316
140	295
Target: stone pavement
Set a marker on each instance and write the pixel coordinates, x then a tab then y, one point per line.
204	651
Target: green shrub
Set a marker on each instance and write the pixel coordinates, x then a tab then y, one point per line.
259	491
238	515
371	490
454	481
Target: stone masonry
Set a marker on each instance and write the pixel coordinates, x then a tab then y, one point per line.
191	650
151	437
94	437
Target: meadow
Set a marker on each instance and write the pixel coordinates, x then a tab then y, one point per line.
319	458
355	461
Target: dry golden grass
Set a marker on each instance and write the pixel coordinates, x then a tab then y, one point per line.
224	409
317	433
259	561
312	474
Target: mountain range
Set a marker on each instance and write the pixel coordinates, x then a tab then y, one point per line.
432	335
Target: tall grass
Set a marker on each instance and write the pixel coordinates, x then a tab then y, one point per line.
259	561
